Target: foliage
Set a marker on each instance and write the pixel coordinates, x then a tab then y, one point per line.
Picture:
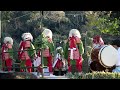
89	23
102	23
95	75
17	75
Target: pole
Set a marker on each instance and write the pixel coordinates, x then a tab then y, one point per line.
42	63
0	38
0	28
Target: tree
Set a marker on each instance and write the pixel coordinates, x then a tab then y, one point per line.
100	23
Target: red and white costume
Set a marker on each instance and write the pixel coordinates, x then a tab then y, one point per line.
47	52
97	41
26	52
6	54
74	50
59	62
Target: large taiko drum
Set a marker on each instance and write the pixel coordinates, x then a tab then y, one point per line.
104	57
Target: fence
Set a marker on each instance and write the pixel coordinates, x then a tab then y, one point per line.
18	64
85	62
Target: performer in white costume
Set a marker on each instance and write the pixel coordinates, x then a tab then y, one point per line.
60	64
97	41
74	50
26	52
47	51
7	54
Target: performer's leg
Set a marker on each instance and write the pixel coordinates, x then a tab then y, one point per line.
39	69
9	64
79	65
29	65
22	65
49	59
3	65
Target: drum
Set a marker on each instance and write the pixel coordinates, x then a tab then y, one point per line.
103	57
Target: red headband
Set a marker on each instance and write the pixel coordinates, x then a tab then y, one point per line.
98	40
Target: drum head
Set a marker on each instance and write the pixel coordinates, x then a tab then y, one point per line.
108	56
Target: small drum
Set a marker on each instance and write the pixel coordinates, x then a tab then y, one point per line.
60	68
103	57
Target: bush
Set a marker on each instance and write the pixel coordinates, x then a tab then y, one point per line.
95	75
17	75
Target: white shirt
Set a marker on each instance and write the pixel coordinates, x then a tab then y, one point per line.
118	62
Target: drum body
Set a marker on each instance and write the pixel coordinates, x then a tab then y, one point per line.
103	58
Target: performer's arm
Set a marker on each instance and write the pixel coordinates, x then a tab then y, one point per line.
65	49
3	48
20	48
11	53
51	46
81	48
33	51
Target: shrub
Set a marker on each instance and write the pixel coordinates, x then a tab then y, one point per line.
17	75
95	75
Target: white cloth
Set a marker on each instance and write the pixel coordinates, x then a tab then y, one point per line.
89	61
4	51
37	62
116	70
118	62
96	45
71	52
58	56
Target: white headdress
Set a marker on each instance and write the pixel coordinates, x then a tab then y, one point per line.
27	36
59	48
74	32
8	40
47	32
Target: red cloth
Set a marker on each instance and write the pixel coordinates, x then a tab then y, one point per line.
78	64
98	40
28	65
73	44
59	64
9	64
6	60
49	60
27	44
23	55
